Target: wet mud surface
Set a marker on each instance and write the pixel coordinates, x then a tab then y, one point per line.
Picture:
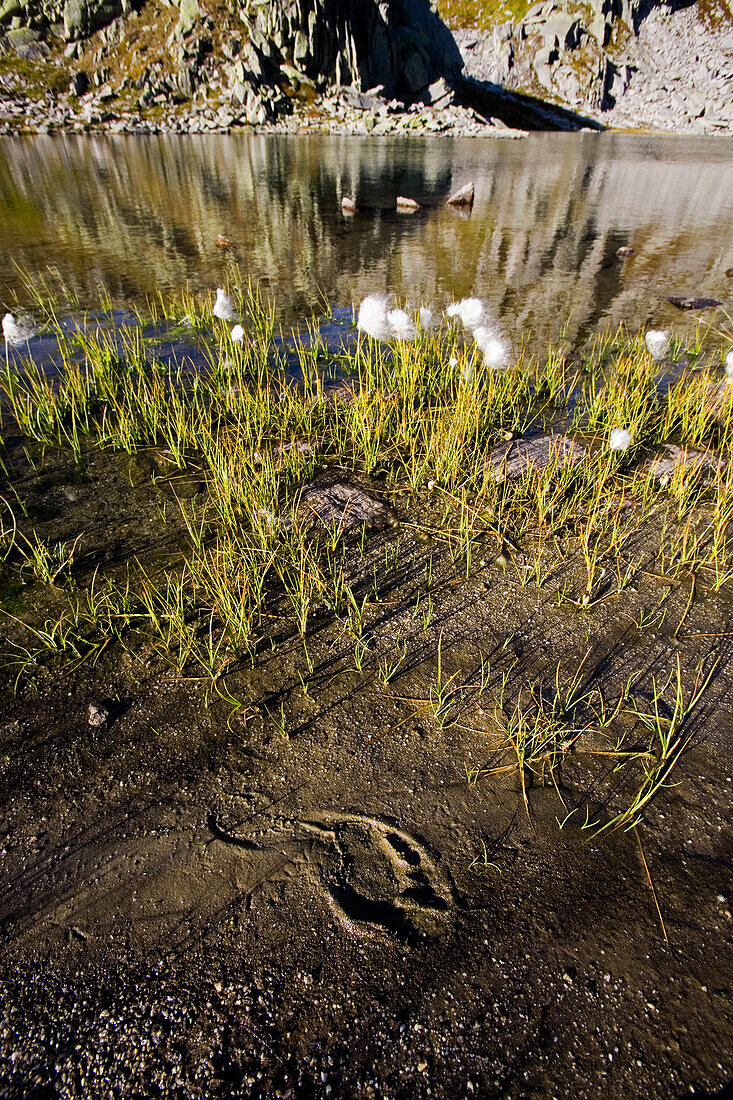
335	889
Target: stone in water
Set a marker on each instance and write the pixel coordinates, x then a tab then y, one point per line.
339	504
514	459
462	197
694	303
675	458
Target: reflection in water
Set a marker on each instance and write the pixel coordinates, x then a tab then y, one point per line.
550	212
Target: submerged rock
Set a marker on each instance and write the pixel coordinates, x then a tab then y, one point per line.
716	396
675	458
511	460
340	504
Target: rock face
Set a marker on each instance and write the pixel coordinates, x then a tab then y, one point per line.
624	62
399	45
82	17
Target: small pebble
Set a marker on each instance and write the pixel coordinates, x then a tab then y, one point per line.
98	714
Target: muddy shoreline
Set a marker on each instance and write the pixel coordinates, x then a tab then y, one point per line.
385	844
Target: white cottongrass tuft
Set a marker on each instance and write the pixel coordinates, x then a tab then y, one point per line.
237	334
427	320
17	330
452	362
373	317
729	365
223	306
470	310
619	439
378	320
401	324
11	331
657	342
496	350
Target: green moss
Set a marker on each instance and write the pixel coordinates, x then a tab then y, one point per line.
34	78
484	16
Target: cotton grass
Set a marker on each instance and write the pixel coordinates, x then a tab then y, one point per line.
619	439
657	342
377	320
470	311
224	307
495	350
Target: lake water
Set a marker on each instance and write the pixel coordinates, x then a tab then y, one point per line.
136	214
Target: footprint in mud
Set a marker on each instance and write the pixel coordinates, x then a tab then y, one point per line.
378	878
375	877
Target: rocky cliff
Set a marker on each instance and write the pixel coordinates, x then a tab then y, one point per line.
145	63
666	66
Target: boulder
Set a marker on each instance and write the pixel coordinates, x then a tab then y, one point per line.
9	9
439	94
26	44
83	17
189	13
463	196
706	464
562	30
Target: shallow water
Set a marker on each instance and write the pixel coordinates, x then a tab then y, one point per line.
136	214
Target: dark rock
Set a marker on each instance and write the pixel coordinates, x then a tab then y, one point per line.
413	72
694	303
79	84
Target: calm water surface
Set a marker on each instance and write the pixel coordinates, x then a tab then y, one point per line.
136	214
